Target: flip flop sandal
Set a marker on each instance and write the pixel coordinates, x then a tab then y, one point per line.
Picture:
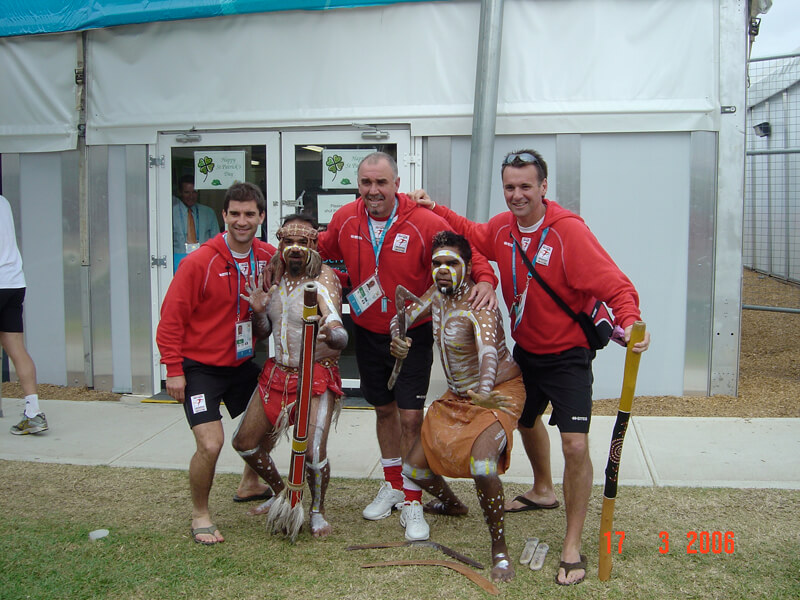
531	505
209	530
537	562
569	567
527	551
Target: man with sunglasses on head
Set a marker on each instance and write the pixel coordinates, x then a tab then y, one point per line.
551	348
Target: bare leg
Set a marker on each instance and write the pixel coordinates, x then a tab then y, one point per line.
387	428
250	484
410	425
253	444
577	490
416	468
486	453
14	345
537	447
209	438
318	470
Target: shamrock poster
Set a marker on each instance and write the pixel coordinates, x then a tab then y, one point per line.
218	169
340	168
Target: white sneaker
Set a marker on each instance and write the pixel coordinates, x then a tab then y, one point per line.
413	519
384	502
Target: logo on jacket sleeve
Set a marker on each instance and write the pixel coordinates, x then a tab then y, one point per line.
400	242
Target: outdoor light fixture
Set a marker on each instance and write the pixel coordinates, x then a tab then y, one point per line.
763	129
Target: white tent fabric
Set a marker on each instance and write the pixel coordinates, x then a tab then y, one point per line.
38	93
567	66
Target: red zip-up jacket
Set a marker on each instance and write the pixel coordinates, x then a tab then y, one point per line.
405	258
573	263
198	315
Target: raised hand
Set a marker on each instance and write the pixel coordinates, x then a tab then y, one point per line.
255	293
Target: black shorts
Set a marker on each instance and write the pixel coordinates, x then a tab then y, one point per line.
375	364
207	386
11	310
564	380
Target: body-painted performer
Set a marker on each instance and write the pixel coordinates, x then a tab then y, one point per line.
384	239
206	341
551	348
271	409
468	431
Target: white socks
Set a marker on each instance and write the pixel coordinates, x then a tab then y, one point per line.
32	405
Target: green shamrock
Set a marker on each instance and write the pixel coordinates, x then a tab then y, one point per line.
206	165
334	164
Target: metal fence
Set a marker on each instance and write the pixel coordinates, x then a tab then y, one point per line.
772	176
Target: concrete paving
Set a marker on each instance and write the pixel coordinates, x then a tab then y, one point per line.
658	451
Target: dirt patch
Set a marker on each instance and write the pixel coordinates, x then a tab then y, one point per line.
769	371
47	391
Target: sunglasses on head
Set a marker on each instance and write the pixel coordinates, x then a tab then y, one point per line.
525	158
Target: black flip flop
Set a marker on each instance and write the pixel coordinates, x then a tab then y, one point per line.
531	505
255	497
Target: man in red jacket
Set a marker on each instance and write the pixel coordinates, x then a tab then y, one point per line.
551	348
206	340
385	239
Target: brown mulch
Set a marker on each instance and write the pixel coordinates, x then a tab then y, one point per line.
769	370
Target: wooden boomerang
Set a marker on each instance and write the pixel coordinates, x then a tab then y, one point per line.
615	452
401	295
480	580
426	543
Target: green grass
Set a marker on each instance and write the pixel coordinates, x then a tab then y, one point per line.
47	511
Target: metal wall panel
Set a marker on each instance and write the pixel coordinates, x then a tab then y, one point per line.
568	158
71	265
635	196
436	173
727	297
99	264
118	271
141	343
700	265
41	237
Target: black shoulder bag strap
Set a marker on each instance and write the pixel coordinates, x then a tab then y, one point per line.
556	298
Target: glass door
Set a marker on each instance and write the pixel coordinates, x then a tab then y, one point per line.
319	176
192	172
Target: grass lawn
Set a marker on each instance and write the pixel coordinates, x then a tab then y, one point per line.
47	511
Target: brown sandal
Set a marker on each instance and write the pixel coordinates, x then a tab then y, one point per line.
569	567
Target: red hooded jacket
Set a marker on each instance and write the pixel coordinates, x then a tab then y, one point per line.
573	263
405	258
198	315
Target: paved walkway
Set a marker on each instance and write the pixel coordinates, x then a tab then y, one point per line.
658	451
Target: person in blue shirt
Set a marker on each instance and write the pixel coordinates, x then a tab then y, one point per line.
186	238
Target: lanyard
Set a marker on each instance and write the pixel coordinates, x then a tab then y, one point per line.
376	247
252	258
514	257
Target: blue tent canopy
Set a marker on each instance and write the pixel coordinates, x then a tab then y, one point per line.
51	16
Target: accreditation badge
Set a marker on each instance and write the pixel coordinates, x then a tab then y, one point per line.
191	247
517	309
244	339
365	295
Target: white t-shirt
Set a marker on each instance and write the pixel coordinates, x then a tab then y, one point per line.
11	276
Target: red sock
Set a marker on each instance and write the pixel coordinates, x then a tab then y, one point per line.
394	475
412	495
